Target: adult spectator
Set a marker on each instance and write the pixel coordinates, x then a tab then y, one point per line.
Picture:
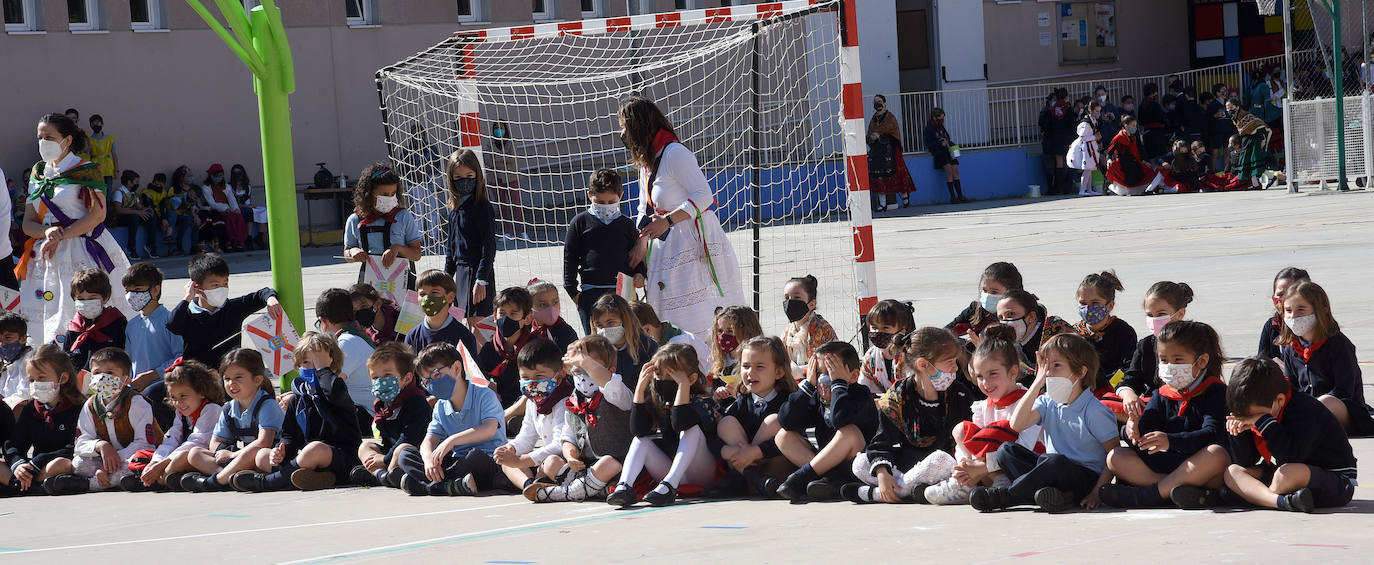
1047	160
1110	121
887	173
1253	159
1192	117
219	198
505	182
1219	126
938	143
1061	133
1153	118
243	194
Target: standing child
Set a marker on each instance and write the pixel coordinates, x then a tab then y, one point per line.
598	244
152	348
97	325
103	150
806	329
1079	431
499	357
14	352
1111	337
668	332
882	363
195	393
672	398
1165	302
842	412
548	314
996	366
545	386
470	256
319	439
400	415
749	427
381	229
612	319
914	441
598	420
248	427
1320	360
993	284
208	321
437	291
115	423
1291	453
732	326
1269	333
1178	448
45	427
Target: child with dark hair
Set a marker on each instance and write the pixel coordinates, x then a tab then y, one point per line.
547	314
1111	337
498	357
1290	452
115	423
141	221
667	332
45	427
249	426
14	350
840	409
437	291
882	365
993	284
533	459
806	329
597	246
150	345
375	314
208	321
470	229
1320	360
381	229
96	325
1165	302
400	415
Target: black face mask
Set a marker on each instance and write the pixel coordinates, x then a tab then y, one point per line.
625	141
464	187
667	390
366	317
880	339
96	129
795	309
507	326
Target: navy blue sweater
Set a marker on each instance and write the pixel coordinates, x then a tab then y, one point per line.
330	418
850	404
1201	425
208	335
751	416
1308	434
1142	374
594	252
36	442
471	231
407	425
1334	370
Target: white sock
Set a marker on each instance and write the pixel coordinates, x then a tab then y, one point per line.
1159	179
687	445
634	462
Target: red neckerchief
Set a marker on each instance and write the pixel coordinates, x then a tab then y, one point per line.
217	192
390	217
1260	445
92	330
1306	352
508	352
1182	397
661	140
49	415
587	409
1009	399
560	395
384	411
196	415
544	330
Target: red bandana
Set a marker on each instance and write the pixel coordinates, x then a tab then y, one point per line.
1306	352
195	416
92	329
1009	399
1173	394
390	217
49	415
508	352
587	408
662	139
1260	445
384	411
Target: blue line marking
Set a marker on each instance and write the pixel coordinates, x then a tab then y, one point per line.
723	527
12	549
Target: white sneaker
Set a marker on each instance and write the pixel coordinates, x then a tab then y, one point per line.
936	467
948	491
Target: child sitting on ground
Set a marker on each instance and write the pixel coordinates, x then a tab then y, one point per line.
194	391
14	353
806	329
733	325
43	440
400	414
749	428
545	385
115	423
1320	360
208	321
844	417
498	357
248	427
665	333
598	420
882	365
96	324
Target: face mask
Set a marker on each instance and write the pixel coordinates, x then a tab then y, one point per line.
989	301
667	390
614	334
1169	108
365	317
137	300
547	316
386	388
727	343
90	309
9	351
1020	326
96	129
1156	323
1128	107
105	387
216	297
1230	113
625	141
1102	98
217	178
880	339
432	305
498	132
1092	314
1177	375
942	380
538	389
607	213
44	392
386	204
308	377
584	384
49	150
1059	389
1131	130
507	326
877	105
795	309
442	387
1301	325
464	187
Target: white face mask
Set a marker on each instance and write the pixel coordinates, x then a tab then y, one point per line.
615	334
44	392
1059	389
1301	325
385	204
942	380
1156	323
90	309
1020	326
1177	375
49	150
216	297
607	213
989	301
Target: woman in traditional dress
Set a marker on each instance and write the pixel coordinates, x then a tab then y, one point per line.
885	146
1254	139
692	268
1083	152
1127	173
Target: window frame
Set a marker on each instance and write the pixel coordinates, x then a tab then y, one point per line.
369	17
32	13
598	9
478	15
156	16
549	12
94	19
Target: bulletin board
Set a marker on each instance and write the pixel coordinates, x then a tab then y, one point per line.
1087	31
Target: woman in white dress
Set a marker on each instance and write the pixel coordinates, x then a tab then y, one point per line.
1084	151
692	269
64	214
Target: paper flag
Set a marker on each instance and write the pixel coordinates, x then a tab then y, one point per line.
470	367
485	328
9	298
390	282
625	287
410	315
276	339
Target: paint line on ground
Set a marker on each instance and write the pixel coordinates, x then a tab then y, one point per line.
268	529
228	515
1026	554
9	549
511	562
723	527
1335	546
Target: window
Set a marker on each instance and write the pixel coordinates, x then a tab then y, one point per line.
22	15
691	4
541	9
146	14
83	15
361	12
470	11
592	8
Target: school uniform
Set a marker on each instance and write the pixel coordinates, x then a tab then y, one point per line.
912	428
452	332
191	431
357	348
1269	333
377	233
1141	374
1303	432
542	432
403	421
6	423
149	344
129	428
627	366
1329	367
85	337
599	418
239	424
850	404
1114	345
561	333
40	435
499	365
594	253
672	421
317	415
208	335
479	405
751	410
470	255
1074	456
1192	420
964	323
14	382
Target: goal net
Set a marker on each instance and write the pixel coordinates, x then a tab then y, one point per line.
753	91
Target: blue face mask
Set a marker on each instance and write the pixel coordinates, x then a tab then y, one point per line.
1093	314
538	389
442	387
307	376
1131	129
9	351
386	388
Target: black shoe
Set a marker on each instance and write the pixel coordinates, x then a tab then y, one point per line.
794	488
131	483
362	477
624	496
730	486
462	486
248	481
860	493
1189	497
310	479
1232	498
823	489
770	488
1119	496
660	500
173	481
393	477
192	482
987	499
1051	499
1300	501
66	484
918	495
412	486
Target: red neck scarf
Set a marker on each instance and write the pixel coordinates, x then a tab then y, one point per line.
92	330
390	217
195	416
508	351
1183	397
385	411
586	409
1306	352
1260	445
49	415
1009	399
661	140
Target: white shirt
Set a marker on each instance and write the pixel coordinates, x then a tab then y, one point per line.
14	384
549	431
140	418
209	194
177	441
985	412
679	185
703	352
6	218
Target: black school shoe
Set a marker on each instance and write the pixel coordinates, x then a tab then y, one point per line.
1189	497
654	498
413	486
132	483
66	484
794	488
1299	501
731	485
362	477
1051	499
248	481
310	479
393	477
1118	496
823	488
988	499
173	481
623	497
462	486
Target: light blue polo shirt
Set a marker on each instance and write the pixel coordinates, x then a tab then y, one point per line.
481	404
1078	430
404	231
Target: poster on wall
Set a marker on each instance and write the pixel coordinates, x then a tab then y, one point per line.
1106	25
1087	31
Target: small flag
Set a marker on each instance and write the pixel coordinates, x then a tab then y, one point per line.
410	315
625	287
470	367
390	282
485	328
9	298
276	340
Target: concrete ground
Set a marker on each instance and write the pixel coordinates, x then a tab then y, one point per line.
1227	246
